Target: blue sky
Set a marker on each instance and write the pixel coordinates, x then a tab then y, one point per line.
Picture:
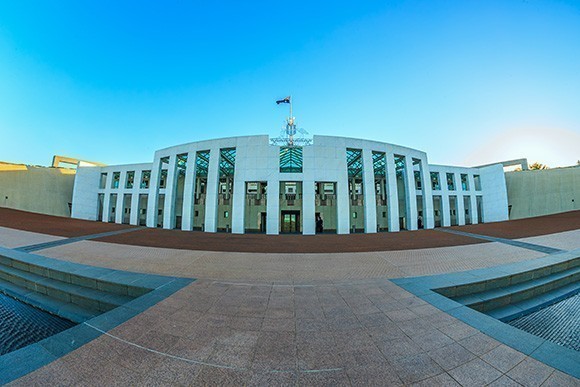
469	82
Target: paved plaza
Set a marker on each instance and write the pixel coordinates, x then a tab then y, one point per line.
305	318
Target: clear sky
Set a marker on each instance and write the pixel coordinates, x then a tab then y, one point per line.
469	82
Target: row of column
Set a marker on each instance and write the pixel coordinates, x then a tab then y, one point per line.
308	210
459	194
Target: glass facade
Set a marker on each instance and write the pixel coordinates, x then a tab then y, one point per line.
290	159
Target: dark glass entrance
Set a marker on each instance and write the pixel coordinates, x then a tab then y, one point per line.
262	222
290	221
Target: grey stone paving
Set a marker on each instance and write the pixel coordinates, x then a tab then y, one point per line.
524	245
60	242
368	333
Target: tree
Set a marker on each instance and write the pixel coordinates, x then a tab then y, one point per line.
537	166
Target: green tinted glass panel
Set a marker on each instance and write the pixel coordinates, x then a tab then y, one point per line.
227	161
181	163
354	163
290	159
399	165
379	163
202	163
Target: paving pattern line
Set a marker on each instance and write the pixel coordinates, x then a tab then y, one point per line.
524	245
192	361
60	242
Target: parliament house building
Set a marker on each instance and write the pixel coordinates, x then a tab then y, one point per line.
250	184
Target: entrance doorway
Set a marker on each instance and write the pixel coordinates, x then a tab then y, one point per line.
262	222
290	221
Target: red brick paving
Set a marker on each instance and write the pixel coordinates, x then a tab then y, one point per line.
529	227
326	243
406	240
53	225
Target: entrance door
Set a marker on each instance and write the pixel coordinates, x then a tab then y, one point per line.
262	222
290	221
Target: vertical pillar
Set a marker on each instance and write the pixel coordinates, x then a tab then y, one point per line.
189	186
273	207
134	218
120	205
170	189
308	208
411	199
369	192
445	208
473	199
153	193
428	216
238	203
460	206
392	194
107	197
212	191
342	201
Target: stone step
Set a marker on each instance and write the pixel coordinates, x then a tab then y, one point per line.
488	300
86	297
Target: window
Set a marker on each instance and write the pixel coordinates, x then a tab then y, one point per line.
379	163
130	179
464	182
290	188
116	178
354	163
328	188
163	174
450	182
418	183
290	159
163	178
103	181
477	182
252	188
181	164
202	163
145	177
435	181
227	161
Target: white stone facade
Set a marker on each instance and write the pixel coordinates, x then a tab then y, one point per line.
351	201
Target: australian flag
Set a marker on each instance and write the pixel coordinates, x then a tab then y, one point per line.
285	100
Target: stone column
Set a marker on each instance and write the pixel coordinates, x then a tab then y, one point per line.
460	206
211	201
170	189
445	208
308	208
411	199
369	192
473	199
428	216
153	193
392	194
273	207
189	187
134	218
120	205
238	203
